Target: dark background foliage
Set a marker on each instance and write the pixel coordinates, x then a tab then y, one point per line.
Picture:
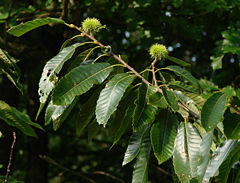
191	29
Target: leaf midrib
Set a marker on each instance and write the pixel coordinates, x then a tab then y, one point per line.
70	91
211	112
109	101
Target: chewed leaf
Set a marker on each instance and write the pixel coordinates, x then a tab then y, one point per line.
23	28
53	67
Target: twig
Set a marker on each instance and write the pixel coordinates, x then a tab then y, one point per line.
162	170
188	110
10	157
128	66
53	162
153	72
108	175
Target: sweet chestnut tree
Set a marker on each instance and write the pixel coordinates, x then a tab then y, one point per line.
170	113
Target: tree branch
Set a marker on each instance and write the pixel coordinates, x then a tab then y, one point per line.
108	175
128	66
53	162
162	170
10	157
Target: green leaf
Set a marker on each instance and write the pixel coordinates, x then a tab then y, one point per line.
143	113
134	145
231	41
170	98
8	66
17	119
218	157
158	100
23	28
183	87
183	73
1	166
205	149
189	103
163	133
78	81
231	124
53	67
180	156
126	122
226	166
178	61
186	154
86	112
58	113
229	91
213	110
93	129
174	175
111	95
198	99
216	62
140	169
193	147
207	85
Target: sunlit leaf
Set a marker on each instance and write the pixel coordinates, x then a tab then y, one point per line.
218	157
226	166
213	110
111	95
186	155
205	148
78	81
